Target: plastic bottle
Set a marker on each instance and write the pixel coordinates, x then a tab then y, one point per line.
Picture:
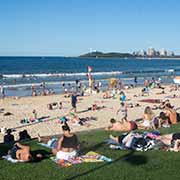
104	158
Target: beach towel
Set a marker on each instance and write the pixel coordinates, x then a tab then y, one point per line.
10	159
52	143
151	101
91	156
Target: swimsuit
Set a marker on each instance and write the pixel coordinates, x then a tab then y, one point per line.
175	137
147	124
66	155
133	125
70	142
120	138
13	151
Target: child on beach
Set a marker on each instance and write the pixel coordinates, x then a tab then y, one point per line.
122	96
60	105
35	114
123	110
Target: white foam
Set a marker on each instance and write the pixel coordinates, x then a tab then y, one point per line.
58	74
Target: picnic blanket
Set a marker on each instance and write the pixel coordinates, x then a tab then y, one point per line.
151	101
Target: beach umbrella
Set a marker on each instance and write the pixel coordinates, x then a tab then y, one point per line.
177	80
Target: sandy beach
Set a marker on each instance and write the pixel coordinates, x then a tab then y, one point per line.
23	107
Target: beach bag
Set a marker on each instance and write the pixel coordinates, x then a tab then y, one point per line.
139	142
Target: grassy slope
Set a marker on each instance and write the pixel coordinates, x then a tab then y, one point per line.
127	165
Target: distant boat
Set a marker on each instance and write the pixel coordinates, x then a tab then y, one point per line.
177	80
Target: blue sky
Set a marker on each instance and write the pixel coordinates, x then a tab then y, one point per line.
72	27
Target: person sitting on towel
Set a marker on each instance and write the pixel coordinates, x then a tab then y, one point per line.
67	145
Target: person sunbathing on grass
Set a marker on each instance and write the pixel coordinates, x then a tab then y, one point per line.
171	140
121	126
67	145
125	139
22	152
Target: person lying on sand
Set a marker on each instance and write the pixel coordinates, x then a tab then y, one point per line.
80	121
161	105
121	126
162	92
22	152
106	95
174	88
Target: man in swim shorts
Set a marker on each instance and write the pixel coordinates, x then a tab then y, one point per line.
124	126
74	101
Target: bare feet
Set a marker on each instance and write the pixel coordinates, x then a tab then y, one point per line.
111	136
39	138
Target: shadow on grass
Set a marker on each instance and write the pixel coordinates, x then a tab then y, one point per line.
85	149
135	159
129	158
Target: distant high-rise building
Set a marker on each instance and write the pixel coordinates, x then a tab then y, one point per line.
151	52
142	53
163	52
170	53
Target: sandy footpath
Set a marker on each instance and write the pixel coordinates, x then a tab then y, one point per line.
22	108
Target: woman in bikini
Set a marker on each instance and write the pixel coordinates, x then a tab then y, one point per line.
67	145
148	118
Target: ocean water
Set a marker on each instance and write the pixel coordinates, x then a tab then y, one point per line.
17	74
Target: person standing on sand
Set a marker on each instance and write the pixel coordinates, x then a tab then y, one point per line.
73	102
135	81
2	92
35	114
123	110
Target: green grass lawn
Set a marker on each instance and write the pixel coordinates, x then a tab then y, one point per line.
126	165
